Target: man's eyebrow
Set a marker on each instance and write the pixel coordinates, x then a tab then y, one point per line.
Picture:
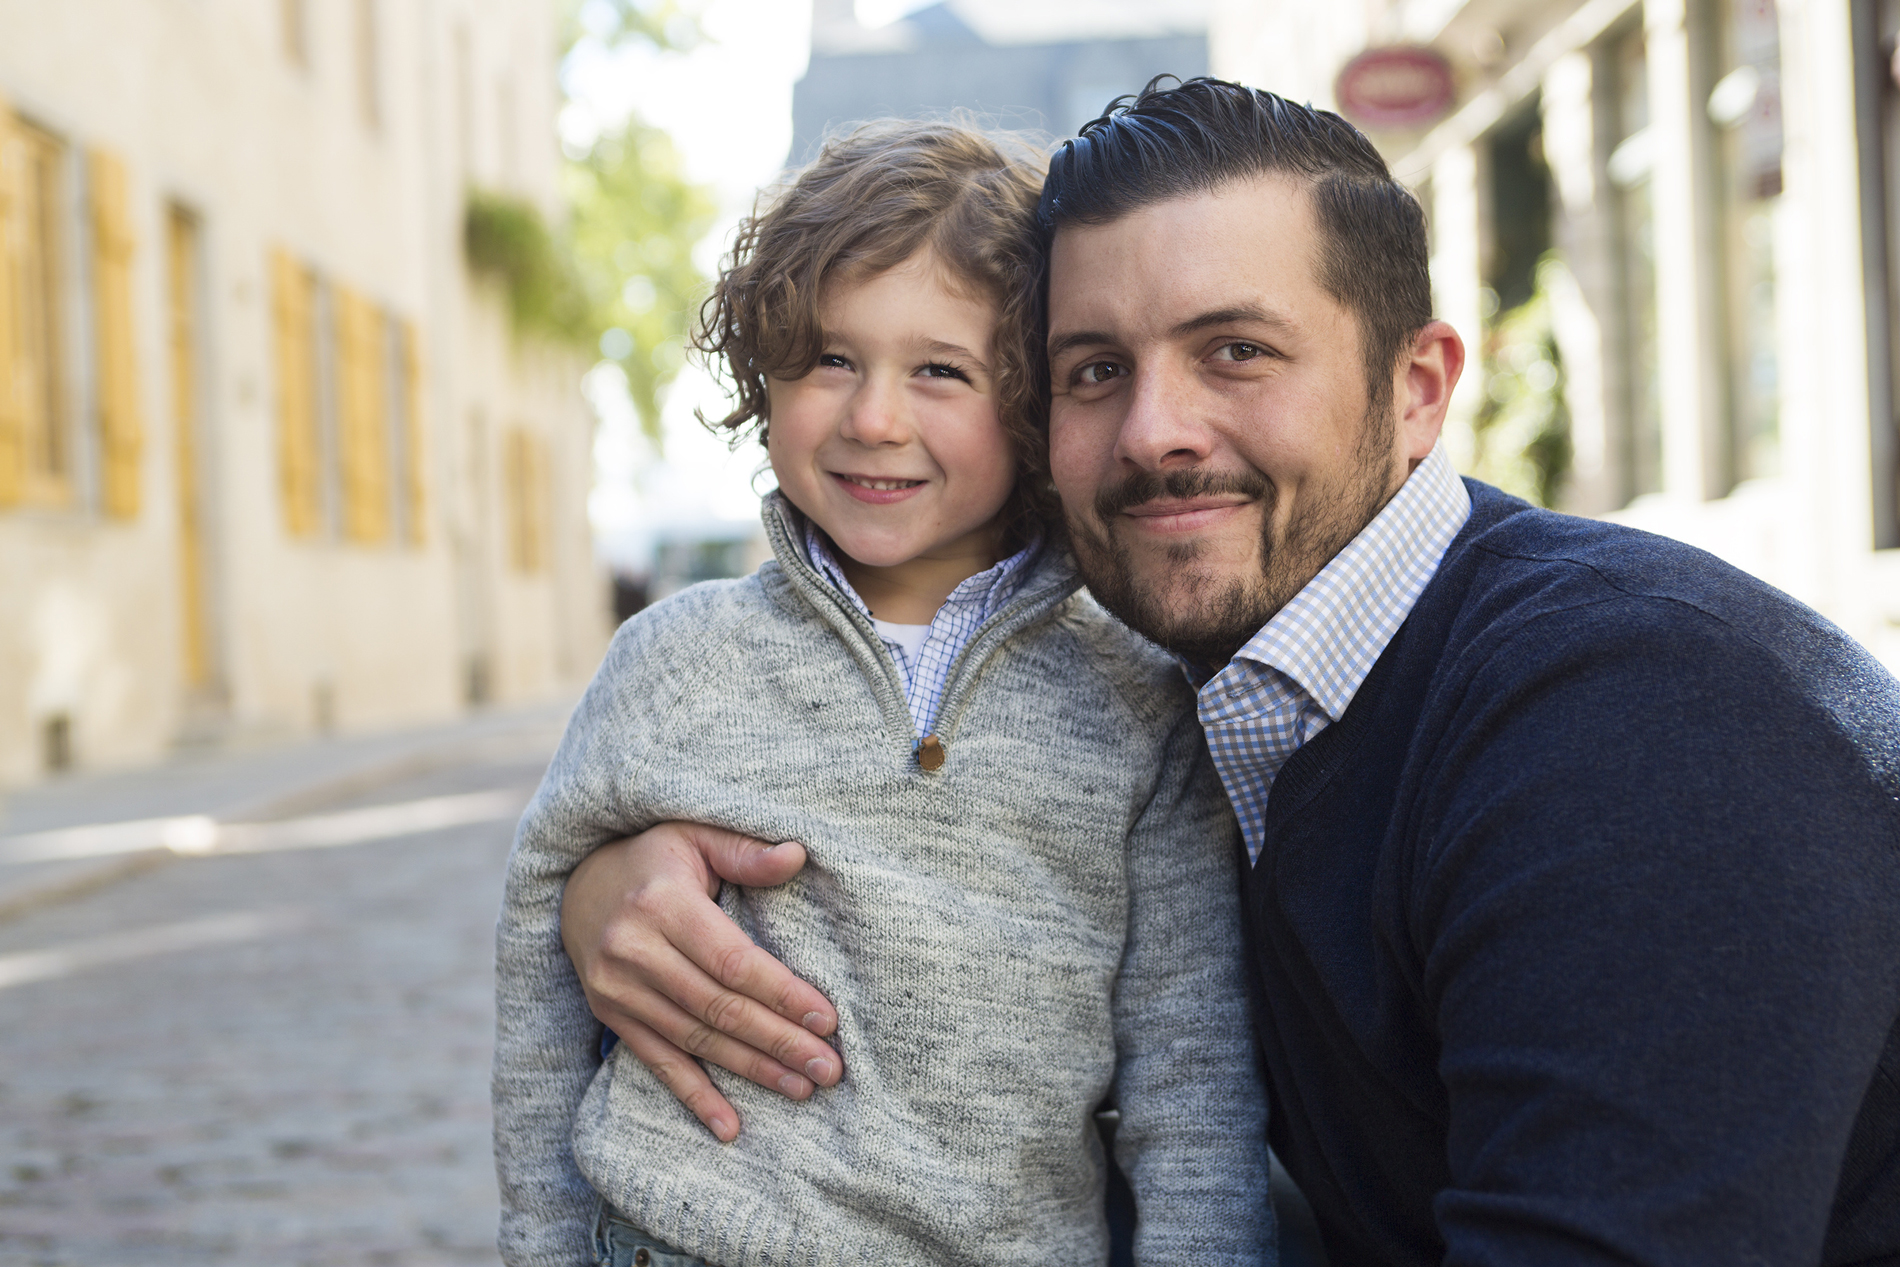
1239	314
1078	339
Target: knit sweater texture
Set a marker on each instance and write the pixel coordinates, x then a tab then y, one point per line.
1578	936
1047	921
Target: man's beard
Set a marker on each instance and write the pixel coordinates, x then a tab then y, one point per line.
1214	617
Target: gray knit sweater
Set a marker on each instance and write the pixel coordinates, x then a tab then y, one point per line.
1048	920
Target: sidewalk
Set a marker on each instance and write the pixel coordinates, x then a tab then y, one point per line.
252	786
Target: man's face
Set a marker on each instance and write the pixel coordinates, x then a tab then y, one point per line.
1209	429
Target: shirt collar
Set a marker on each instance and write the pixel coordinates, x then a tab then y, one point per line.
1335	629
987	591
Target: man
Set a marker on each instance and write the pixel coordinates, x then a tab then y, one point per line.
1575	889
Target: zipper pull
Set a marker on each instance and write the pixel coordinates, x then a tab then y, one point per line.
930	753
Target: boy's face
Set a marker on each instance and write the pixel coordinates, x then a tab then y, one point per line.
891	443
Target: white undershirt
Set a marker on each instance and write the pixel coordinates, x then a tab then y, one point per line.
910	637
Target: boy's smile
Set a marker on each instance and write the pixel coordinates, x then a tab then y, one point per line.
892	444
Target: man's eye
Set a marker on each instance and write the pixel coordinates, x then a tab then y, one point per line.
1099	372
1242	351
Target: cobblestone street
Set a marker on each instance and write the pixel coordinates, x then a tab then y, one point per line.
268	1058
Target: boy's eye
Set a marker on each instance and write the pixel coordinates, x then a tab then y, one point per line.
938	369
833	360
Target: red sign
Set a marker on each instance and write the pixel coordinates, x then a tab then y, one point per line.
1395	87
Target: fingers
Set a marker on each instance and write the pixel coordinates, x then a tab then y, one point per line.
652	949
742	860
681	1074
742	967
681	1031
722	987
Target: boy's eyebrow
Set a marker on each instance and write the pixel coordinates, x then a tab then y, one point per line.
940	348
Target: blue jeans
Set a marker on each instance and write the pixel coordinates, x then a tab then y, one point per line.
618	1243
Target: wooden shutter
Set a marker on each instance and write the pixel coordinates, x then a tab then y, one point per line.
525	490
293	311
181	260
414	489
362	423
121	433
529	500
512	497
12	387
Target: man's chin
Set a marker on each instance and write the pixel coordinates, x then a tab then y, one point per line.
1193	606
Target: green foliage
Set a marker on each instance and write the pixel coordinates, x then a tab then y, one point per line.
1523	425
618	275
505	237
661	23
635	220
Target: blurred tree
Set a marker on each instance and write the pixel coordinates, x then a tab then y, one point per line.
617	275
635	219
664	24
1523	425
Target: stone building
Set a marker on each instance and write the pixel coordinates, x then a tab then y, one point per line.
1695	200
271	461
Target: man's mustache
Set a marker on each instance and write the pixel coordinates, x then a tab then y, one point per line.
1187	482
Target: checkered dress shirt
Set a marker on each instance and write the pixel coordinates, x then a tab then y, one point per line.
956	622
1298	674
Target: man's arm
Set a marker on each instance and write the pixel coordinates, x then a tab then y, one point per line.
1657	921
666	970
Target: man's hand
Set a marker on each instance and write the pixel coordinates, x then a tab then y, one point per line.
667	971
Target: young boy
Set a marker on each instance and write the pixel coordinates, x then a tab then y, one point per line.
1021	886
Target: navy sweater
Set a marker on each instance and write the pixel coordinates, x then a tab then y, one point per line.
1578	936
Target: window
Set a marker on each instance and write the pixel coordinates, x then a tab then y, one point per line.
294	311
526	500
405	430
349	424
1877	99
36	458
1745	106
296	31
363	451
368	64
1623	62
464	103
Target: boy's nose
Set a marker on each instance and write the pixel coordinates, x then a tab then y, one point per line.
876	416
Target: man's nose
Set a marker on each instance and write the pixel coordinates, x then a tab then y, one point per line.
1162	428
876	415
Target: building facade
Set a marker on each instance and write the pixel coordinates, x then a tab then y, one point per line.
960	56
1665	230
271	460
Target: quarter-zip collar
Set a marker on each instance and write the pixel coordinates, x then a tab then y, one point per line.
1037	585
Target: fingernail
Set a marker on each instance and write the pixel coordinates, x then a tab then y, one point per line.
813	1021
817	1069
723	1129
791	1084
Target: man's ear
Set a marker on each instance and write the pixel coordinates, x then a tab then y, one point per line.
1423	387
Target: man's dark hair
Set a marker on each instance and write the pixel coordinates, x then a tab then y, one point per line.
1163	143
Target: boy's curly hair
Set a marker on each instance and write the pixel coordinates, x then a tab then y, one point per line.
874	197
